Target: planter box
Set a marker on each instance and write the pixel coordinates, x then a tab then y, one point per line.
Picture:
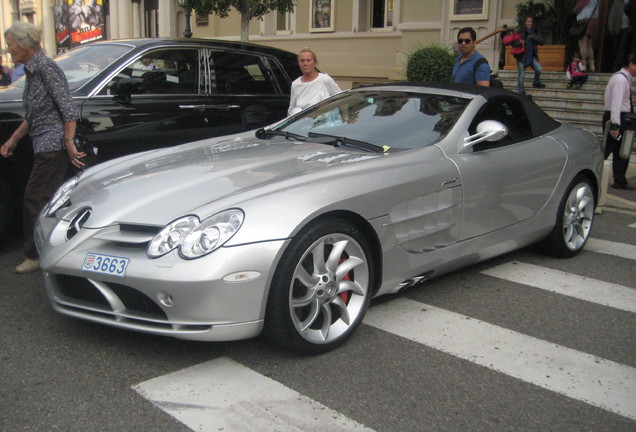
551	57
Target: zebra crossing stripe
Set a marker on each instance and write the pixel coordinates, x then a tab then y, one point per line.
223	395
622	250
584	377
604	293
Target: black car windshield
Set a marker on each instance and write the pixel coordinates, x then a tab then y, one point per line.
389	119
82	63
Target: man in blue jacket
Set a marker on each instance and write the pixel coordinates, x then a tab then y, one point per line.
469	68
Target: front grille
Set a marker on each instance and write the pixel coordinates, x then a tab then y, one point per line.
82	289
135	300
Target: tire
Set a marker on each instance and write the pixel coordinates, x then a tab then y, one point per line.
574	220
7	209
321	288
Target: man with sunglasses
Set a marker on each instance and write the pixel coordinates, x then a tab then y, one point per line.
467	69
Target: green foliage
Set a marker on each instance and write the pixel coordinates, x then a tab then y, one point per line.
247	8
530	9
553	18
254	8
431	63
561	19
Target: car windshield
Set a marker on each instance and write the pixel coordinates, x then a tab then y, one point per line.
398	120
82	63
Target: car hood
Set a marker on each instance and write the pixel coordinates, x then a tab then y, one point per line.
12	92
158	186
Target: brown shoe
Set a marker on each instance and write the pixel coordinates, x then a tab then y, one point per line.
28	266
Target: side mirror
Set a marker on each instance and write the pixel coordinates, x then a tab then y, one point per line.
488	130
126	87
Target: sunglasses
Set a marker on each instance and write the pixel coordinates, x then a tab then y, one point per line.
466	41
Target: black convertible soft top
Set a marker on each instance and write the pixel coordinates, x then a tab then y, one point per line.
540	122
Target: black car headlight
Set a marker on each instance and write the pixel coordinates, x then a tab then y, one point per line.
195	238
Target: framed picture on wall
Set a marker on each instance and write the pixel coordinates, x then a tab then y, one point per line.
468	9
321	15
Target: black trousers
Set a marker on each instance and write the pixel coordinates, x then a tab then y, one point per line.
613	147
48	174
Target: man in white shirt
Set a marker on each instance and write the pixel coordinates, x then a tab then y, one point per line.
618	102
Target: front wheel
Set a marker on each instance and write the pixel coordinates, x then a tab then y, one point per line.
321	288
574	220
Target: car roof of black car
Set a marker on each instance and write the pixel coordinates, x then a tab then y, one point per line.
149	42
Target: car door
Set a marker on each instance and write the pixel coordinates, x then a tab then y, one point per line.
509	181
169	107
245	92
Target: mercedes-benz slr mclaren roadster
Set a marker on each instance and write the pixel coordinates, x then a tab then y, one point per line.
290	230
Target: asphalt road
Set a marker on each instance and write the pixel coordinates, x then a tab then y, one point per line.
59	373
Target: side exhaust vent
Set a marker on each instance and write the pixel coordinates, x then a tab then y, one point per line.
414	281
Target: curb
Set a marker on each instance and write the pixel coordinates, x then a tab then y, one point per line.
613	201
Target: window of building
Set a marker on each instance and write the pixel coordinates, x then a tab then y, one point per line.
381	13
283	22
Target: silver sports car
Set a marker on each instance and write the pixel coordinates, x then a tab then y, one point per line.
290	230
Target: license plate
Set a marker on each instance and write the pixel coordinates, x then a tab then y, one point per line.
106	264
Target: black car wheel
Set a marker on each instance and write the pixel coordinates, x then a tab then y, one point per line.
574	220
321	288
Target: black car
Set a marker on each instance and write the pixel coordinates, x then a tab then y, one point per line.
141	94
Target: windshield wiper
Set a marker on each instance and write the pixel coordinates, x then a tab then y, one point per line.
263	133
337	141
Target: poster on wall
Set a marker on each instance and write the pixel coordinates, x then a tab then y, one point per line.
321	15
77	22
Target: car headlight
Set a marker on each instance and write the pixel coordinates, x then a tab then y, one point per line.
171	236
195	239
61	196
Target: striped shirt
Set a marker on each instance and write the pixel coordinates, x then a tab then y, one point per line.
48	103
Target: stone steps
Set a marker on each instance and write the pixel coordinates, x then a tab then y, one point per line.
582	107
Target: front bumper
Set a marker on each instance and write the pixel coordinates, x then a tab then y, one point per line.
168	296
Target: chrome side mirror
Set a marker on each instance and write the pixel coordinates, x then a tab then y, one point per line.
488	130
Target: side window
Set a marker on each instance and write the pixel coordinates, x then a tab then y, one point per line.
239	73
509	112
163	72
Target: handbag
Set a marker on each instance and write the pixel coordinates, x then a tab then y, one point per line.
514	41
578	29
518	50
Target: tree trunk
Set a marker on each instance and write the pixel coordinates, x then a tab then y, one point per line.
245	25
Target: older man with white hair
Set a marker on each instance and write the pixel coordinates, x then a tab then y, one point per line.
50	118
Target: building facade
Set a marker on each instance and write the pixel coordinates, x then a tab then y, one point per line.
357	41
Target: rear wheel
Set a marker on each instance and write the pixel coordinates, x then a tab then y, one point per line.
321	288
574	220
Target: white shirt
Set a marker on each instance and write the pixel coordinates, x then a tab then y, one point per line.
617	95
305	94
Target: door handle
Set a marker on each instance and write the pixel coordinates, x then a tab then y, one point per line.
194	107
222	107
